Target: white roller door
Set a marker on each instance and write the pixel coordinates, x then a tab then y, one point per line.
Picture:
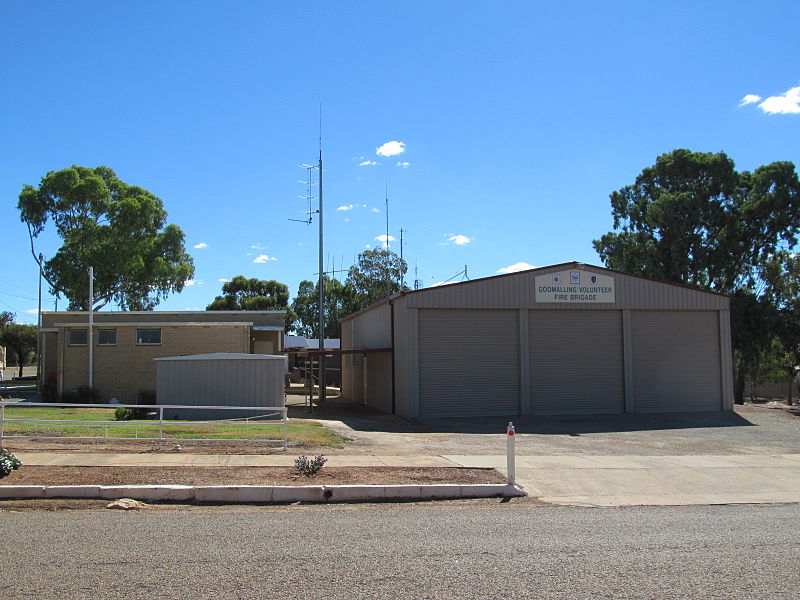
468	362
676	361
576	361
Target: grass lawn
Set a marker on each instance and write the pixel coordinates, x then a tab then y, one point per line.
300	432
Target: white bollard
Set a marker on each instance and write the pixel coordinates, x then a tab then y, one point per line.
510	458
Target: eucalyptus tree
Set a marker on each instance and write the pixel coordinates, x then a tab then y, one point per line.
105	223
692	218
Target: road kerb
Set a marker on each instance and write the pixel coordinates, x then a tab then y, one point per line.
263	494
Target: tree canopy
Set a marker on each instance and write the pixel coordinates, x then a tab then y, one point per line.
19	338
118	229
376	275
692	218
339	302
241	293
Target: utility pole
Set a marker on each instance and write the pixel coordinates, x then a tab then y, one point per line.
321	282
90	336
39	378
402	273
322	378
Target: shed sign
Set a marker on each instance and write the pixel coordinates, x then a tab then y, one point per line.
575	286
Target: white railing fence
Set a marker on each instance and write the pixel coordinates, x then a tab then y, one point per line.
250	421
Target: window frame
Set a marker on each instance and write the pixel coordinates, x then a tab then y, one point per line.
100	330
139	341
72	330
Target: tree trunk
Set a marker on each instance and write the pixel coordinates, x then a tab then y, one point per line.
20	358
791	383
738	392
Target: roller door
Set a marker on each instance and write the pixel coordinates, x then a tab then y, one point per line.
468	362
676	361
576	362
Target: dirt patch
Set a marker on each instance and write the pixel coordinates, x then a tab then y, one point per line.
46	475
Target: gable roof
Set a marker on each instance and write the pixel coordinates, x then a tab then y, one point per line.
526	273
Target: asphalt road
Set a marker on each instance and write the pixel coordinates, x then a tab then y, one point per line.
443	550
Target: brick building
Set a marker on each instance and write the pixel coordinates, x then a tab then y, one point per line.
125	344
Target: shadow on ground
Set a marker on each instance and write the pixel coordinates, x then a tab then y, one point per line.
362	418
20	390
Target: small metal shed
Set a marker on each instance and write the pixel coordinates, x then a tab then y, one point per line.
220	379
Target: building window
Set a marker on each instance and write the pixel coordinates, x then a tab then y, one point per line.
106	337
77	337
148	336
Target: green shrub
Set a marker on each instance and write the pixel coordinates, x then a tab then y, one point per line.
8	462
309	467
123	413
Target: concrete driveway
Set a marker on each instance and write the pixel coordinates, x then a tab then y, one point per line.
749	430
749	456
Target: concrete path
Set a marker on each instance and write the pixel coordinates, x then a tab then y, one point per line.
575	480
652	480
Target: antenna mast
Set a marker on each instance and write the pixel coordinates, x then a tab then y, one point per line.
402	272
321	283
322	384
386	247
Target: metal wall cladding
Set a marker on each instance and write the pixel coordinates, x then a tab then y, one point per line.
468	363
576	362
378	380
518	290
220	382
372	328
676	361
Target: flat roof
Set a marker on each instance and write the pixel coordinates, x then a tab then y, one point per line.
106	324
225	356
164	312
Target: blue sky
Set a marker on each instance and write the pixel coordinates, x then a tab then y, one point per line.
515	120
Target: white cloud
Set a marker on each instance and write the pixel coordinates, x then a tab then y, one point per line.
786	103
367	163
438	283
32	311
201	245
391	149
193	308
258	246
262	258
385	239
458	239
403	165
367	246
376	210
519	266
188	282
223	280
347	207
347	219
750	99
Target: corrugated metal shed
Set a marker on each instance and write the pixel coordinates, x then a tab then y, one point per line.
220	379
575	344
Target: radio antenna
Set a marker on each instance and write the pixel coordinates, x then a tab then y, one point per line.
311	169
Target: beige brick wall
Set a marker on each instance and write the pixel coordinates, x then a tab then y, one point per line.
121	371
